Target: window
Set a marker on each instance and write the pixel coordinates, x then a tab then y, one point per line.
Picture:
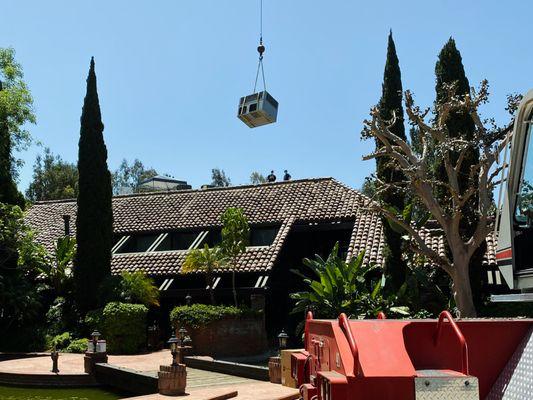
263	236
137	243
213	238
178	240
253	107
524	201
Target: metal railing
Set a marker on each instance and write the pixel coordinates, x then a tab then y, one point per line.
462	341
345	326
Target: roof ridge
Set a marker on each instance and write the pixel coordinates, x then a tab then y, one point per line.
229	188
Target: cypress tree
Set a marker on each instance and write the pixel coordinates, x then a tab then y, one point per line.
9	193
391	102
94	222
449	69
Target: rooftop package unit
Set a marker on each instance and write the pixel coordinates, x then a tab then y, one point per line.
258	109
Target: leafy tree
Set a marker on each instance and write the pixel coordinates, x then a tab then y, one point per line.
16	110
419	179
257	178
449	70
57	271
219	178
390	106
137	288
339	287
235	237
20	260
369	187
94	222
207	260
130	176
53	178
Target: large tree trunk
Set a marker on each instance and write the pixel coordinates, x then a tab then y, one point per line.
462	291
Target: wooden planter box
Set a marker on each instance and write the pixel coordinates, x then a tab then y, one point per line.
229	337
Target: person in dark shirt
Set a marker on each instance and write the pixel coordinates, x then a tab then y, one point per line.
271	177
287	176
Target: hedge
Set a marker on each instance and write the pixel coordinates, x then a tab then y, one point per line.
198	315
124	327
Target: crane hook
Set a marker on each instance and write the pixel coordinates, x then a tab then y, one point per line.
261	49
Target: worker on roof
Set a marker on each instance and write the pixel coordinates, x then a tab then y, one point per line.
287	176
271	177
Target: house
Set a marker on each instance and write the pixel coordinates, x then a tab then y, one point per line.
289	220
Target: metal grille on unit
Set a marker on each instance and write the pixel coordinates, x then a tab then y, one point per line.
258	109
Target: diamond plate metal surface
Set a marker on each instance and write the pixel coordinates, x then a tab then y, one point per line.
446	388
516	380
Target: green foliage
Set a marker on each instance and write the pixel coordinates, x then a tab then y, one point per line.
256	178
124	327
199	315
62	316
450	73
390	105
66	343
57	271
77	346
94	319
219	178
206	260
20	295
94	223
130	176
16	102
16	111
139	289
235	237
53	178
369	187
59	342
342	287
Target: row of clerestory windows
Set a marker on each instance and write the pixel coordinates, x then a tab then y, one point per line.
186	240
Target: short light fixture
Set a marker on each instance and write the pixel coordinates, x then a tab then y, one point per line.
282	340
182	332
95	336
188	299
173	344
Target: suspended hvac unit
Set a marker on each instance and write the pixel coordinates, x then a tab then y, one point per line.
258	109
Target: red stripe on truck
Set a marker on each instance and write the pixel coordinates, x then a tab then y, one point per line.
508	253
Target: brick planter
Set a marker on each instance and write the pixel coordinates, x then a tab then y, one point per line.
172	380
229	337
274	369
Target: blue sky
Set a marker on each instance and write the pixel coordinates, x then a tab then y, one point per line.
170	74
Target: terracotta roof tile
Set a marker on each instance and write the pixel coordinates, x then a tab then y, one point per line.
284	203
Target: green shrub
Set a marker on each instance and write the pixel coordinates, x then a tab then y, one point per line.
59	342
139	289
198	315
94	319
124	327
77	346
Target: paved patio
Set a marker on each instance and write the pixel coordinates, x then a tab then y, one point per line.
200	384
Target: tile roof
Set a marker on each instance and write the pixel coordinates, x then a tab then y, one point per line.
284	203
436	241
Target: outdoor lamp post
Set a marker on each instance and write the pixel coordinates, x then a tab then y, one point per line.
188	299
95	336
173	344
282	340
182	334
